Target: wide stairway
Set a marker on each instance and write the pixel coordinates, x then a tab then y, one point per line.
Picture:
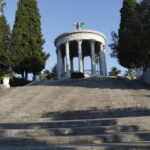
32	122
82	133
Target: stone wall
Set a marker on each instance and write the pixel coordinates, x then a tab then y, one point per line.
146	76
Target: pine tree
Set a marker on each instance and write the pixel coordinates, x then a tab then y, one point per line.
27	39
5	37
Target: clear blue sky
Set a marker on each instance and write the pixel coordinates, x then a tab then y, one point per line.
57	17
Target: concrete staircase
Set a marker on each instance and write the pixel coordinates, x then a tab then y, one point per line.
88	114
77	134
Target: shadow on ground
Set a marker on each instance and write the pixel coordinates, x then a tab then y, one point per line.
109	82
93	112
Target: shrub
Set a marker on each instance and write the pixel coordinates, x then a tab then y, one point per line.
77	75
18	81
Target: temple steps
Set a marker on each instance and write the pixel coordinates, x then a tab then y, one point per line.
86	134
106	146
94	130
76	140
142	120
90	114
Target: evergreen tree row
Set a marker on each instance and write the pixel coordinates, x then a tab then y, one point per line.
131	44
25	44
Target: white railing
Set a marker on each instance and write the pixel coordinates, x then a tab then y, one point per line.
89	72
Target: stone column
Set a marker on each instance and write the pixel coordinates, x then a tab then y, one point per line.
59	64
72	69
80	56
105	60
68	67
103	70
63	64
83	64
93	58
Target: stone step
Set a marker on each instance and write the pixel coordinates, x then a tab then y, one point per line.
77	123
77	115
73	131
69	115
107	146
75	140
57	124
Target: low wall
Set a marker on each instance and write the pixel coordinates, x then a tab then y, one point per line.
146	76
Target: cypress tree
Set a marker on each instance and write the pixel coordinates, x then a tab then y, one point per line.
126	43
2	5
5	37
27	39
145	32
129	43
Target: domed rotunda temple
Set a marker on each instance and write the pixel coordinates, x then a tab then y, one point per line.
80	43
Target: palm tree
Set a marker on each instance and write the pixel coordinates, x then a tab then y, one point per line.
114	71
130	73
